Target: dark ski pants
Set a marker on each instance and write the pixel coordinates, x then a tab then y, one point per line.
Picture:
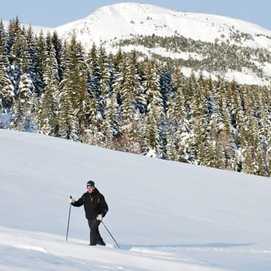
95	237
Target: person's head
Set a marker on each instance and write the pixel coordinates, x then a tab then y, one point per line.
90	186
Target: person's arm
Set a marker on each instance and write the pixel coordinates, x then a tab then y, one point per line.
79	202
104	206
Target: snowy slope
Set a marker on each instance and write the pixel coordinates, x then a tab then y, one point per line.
165	215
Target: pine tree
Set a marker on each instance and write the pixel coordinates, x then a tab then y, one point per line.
6	87
14	29
40	61
31	54
155	114
75	103
24	112
6	90
58	49
128	91
15	46
103	81
113	119
179	130
93	73
166	86
68	124
48	112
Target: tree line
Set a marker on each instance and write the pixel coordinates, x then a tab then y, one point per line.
129	103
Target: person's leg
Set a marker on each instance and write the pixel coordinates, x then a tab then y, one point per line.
95	237
92	238
100	240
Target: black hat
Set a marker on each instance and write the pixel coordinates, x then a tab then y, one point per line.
91	183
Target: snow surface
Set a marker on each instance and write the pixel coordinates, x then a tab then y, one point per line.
165	215
244	77
158	51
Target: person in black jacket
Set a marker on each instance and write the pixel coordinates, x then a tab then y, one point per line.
95	209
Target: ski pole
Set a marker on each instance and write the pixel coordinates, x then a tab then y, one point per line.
117	245
69	217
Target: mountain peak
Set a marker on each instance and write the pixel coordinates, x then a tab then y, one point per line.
126	19
134	6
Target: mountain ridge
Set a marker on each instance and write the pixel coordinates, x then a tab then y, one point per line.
138	11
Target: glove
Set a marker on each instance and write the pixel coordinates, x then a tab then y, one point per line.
99	217
71	200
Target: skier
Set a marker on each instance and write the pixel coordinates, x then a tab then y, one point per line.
95	209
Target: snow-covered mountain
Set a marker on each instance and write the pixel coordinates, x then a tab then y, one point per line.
125	20
241	53
165	215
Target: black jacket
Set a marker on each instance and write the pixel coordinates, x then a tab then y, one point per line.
94	204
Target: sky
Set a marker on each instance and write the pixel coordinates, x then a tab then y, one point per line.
53	13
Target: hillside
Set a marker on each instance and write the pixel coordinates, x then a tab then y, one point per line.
165	215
